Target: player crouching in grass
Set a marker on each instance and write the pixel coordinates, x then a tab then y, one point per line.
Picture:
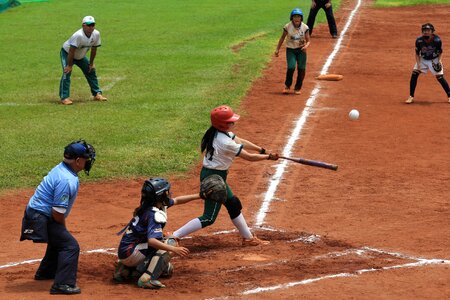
144	251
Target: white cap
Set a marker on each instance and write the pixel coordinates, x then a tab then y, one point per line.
88	20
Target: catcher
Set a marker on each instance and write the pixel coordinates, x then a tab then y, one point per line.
428	57
144	252
220	147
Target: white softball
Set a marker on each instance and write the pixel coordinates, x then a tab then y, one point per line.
353	115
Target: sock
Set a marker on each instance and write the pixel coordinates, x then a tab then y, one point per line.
241	225
444	85
413	83
190	227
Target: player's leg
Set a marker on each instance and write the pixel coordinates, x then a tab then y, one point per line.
91	76
444	85
331	21
47	267
412	85
312	18
64	84
301	70
155	265
291	62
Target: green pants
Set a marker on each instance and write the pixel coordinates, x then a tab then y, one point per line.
211	208
83	64
295	57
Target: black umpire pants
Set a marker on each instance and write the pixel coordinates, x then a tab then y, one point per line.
61	257
320	4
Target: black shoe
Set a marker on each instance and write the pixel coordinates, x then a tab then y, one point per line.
64	289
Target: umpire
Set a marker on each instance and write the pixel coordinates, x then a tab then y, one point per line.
316	5
45	214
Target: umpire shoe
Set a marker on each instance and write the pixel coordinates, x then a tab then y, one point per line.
100	97
64	289
255	241
409	100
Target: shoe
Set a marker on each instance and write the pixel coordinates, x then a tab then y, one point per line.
255	241
334	36
285	90
64	289
41	276
100	97
66	101
151	284
297	92
121	273
409	100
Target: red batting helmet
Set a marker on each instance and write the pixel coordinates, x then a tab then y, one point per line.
221	116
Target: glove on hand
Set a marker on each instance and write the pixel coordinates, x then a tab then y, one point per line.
437	67
213	188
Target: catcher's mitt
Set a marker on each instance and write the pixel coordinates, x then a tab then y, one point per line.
213	188
437	67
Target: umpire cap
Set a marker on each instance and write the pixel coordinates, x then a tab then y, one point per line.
79	149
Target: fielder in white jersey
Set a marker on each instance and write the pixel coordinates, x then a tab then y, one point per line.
74	51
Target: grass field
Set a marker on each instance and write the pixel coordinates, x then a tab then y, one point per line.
162	64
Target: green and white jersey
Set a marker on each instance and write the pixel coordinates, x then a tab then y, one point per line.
83	43
295	36
225	150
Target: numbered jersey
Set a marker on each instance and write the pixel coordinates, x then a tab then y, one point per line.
295	37
148	225
428	49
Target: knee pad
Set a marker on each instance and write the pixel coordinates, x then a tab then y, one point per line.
155	265
234	207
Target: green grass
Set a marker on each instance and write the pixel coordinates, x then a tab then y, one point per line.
163	64
390	3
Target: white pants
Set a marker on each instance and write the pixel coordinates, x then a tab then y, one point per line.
136	257
426	65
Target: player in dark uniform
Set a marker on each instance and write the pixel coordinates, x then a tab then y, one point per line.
143	249
428	57
316	5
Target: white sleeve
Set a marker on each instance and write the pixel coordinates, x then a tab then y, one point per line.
60	210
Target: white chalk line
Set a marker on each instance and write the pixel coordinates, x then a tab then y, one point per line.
274	182
295	135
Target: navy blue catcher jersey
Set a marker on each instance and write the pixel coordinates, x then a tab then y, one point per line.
140	229
429	50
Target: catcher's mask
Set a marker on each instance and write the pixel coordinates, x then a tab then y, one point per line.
82	149
428	26
155	190
296	11
221	117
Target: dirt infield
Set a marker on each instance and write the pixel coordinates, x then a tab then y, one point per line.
376	228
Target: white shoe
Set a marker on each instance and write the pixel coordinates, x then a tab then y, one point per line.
409	100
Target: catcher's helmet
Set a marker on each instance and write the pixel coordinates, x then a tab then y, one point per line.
428	26
221	116
296	11
82	149
155	190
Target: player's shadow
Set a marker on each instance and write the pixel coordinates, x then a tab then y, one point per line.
29	286
427	102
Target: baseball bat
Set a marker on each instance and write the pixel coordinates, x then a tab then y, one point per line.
310	162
